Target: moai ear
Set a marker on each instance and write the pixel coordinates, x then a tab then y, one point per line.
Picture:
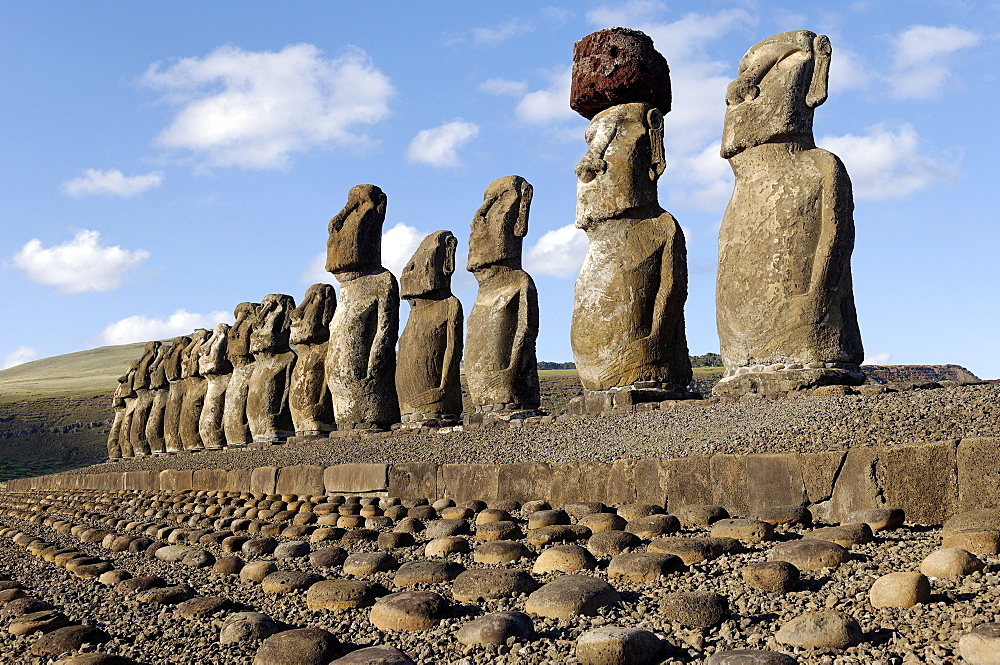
821	71
525	191
450	248
654	120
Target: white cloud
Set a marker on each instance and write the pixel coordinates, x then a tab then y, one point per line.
886	163
398	245
503	87
439	146
550	104
78	265
559	253
503	32
848	71
141	328
253	109
110	183
883	358
920	66
18	356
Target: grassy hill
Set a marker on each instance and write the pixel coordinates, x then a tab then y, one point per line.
96	369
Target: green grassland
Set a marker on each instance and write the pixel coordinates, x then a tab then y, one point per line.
96	369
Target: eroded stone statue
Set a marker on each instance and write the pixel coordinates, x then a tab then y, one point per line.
361	358
118	404
500	366
214	365
143	399
267	401
175	396
428	379
159	388
234	417
309	396
784	298
194	391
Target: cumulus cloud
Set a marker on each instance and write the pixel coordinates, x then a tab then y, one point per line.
439	146
920	65
94	182
883	358
504	87
398	245
559	252
886	162
549	104
141	328
515	27
18	356
253	109
78	265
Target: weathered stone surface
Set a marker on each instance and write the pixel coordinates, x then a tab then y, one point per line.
309	399
343	594
301	480
747	531
500	364
170	595
550	535
983	518
784	298
951	563
610	543
643	566
613	645
628	318
618	66
783	515
380	655
981	542
563	559
234	417
978	474
500	551
491	583
446	545
571	594
823	629
195	388
548	517
256	571
361	358
584	480
653	526
496	629
770	576
809	554
356	478
699	515
499	531
153	353
750	657
427	572
68	639
878	519
367	563
845	535
44	621
203	606
175	397
689	550
598	522
214	365
462	482
247	627
981	645
524	481
899	590
302	646
745	483
263	480
268	414
695	609
408	610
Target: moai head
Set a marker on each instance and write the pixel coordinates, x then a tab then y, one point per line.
145	363
311	319
191	354
428	273
623	162
126	381
780	81
172	363
157	371
355	241
238	339
500	224
271	331
213	358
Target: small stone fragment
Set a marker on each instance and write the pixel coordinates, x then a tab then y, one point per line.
68	639
247	627
747	531
491	583
569	595
771	576
951	563
302	646
643	566
501	551
845	535
287	581
203	606
408	610
695	609
497	629
613	645
363	564
750	657
343	594
823	629
563	559
380	655
981	645
879	519
427	572
809	554
899	590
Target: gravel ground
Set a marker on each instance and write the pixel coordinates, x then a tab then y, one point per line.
151	634
796	424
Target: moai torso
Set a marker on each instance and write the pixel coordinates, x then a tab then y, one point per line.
194	391
501	370
267	401
428	368
159	388
361	357
784	298
309	396
175	395
214	365
144	399
129	398
118	404
234	417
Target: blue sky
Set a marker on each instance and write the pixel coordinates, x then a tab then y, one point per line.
162	162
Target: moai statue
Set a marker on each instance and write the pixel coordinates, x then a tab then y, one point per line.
194	391
175	394
501	370
267	401
129	397
143	400
159	388
118	404
428	379
784	298
214	365
309	396
361	359
234	415
627	330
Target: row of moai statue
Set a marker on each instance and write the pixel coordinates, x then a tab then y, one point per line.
245	383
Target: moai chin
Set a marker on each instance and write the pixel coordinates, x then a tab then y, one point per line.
214	365
267	401
627	330
129	398
175	394
144	399
361	357
500	366
428	379
234	416
309	396
195	390
159	387
784	297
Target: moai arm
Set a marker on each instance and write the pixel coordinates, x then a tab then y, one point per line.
386	333
453	348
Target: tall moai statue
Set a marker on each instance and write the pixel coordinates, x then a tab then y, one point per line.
627	331
175	395
501	370
361	358
143	400
234	416
428	379
194	391
214	365
309	396
784	298
129	397
267	400
118	404
159	388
